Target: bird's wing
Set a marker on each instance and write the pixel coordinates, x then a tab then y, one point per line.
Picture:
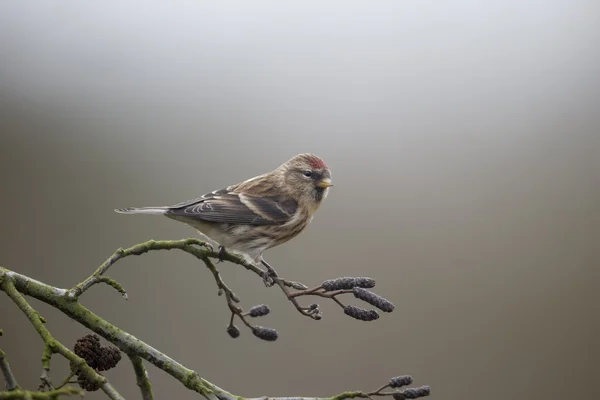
224	206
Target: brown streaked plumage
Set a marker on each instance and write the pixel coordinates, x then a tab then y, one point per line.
259	213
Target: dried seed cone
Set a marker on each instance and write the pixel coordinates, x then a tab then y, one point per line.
99	357
109	358
88	348
85	384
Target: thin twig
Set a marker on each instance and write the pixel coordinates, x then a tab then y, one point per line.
67	380
141	377
219	281
387	385
16	285
137	250
9	378
45	382
204	252
307	311
230	297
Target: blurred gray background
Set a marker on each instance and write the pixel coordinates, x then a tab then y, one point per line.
464	140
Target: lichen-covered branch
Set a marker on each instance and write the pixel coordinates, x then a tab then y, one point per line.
7	283
47	354
51	395
9	378
141	377
99	275
67	301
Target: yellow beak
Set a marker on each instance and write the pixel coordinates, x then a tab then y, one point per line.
324	183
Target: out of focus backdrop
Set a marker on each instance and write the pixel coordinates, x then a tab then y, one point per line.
464	140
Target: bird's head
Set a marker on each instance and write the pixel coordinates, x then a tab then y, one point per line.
308	179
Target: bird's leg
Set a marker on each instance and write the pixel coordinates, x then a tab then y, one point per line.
269	275
206	241
270	271
222	254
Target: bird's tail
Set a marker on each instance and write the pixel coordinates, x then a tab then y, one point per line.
142	210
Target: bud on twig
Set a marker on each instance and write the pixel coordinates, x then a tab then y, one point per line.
295	285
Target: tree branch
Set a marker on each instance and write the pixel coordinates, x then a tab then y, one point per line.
204	252
138	250
51	395
67	301
52	345
141	377
11	381
45	377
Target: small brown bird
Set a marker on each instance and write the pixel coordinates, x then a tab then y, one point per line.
258	214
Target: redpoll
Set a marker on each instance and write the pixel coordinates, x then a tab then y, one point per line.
258	214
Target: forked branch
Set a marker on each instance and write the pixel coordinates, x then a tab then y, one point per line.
16	286
51	345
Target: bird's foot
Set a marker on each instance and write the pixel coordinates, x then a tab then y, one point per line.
208	246
269	275
222	254
268	279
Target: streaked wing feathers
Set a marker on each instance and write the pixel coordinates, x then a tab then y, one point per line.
223	206
198	199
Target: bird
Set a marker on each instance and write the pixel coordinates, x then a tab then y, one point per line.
257	214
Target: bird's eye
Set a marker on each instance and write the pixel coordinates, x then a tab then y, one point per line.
307	173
